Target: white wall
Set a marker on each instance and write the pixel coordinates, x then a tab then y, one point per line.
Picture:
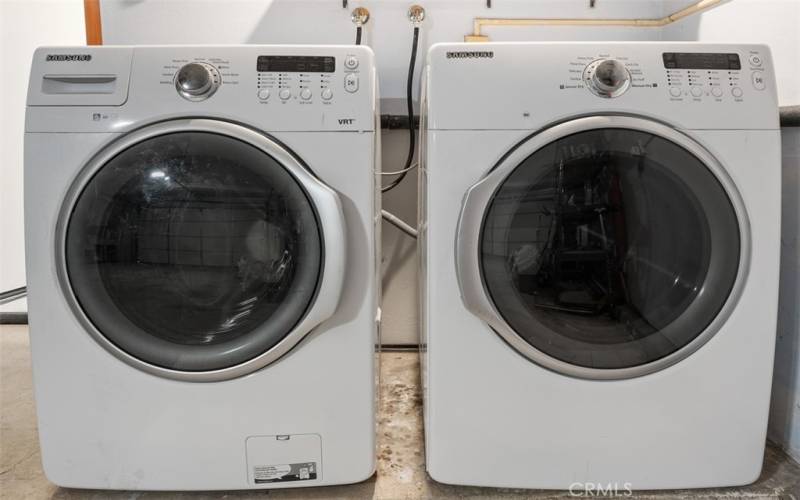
388	31
24	25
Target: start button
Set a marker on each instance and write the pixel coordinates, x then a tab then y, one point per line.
758	80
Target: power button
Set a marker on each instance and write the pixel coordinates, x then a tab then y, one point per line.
350	62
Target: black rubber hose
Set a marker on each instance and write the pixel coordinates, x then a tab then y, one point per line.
410	109
358	35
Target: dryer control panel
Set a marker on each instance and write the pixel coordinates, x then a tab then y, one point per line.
713	75
528	85
685	76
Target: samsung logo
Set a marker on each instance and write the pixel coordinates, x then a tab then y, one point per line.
69	57
471	54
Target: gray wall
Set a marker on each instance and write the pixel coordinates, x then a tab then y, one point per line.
399	263
784	424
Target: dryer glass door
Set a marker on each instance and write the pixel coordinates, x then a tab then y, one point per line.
608	249
193	251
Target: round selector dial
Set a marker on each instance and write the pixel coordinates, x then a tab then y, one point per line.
607	78
197	81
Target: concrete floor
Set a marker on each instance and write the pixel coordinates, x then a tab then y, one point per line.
401	471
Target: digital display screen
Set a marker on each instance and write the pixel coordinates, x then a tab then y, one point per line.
297	64
697	60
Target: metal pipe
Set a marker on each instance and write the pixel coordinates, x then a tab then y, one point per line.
479	22
692	9
398	223
12	295
91	15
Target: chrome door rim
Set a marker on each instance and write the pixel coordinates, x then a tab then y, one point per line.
324	199
476	201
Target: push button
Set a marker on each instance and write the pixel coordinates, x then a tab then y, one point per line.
285	94
351	82
327	95
716	92
736	92
697	91
758	80
756	61
263	94
350	62
675	91
305	94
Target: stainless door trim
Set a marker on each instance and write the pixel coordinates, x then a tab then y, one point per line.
332	228
476	201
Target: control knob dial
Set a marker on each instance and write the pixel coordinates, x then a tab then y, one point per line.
197	81
607	78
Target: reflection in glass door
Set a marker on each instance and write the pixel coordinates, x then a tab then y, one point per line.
193	251
609	248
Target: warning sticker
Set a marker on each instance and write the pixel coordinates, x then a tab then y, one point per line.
282	473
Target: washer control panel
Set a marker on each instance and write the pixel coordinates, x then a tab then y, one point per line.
268	87
303	79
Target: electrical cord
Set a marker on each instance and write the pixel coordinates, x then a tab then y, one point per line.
410	109
398	172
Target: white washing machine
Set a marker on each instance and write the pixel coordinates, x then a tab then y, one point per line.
600	242
201	258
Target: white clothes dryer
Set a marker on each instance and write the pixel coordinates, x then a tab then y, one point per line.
600	235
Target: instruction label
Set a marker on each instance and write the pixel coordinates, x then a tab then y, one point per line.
305	471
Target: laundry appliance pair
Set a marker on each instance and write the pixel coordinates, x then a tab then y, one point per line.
201	240
599	234
599	246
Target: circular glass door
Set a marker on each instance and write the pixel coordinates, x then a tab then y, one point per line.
193	251
608	249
